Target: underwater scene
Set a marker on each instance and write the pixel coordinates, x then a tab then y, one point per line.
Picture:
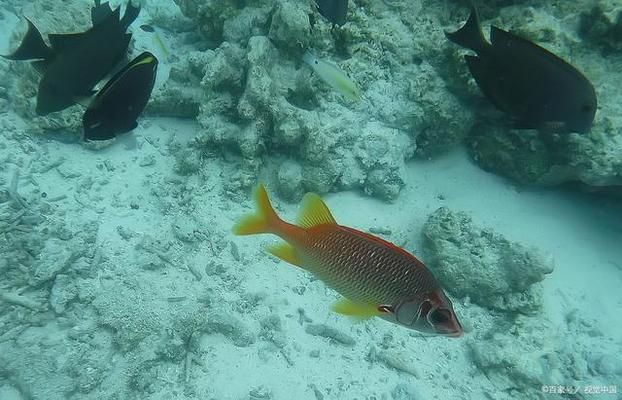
310	199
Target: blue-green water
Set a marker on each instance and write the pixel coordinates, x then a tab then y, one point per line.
120	277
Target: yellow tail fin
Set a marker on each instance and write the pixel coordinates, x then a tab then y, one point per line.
264	220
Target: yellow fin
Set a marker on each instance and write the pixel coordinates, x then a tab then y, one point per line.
314	212
357	310
285	252
263	220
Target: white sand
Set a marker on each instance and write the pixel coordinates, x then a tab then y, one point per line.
580	232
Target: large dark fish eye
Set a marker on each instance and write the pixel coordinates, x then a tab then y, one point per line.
439	316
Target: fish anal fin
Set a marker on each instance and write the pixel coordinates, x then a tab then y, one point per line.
285	252
314	212
352	309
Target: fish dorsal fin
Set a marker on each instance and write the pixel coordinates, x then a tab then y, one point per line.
314	212
100	12
507	40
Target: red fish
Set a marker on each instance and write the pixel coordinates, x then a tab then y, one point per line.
375	277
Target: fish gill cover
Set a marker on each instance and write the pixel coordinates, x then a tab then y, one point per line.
119	275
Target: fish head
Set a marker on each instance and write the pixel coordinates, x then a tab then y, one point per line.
434	315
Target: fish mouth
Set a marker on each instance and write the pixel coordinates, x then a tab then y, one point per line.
454	331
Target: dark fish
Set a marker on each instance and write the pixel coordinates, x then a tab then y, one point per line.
333	10
116	107
522	79
75	63
147	28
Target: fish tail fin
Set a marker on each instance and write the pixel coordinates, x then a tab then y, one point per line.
264	220
33	46
470	35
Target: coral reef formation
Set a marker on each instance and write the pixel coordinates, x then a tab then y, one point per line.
484	266
258	97
548	158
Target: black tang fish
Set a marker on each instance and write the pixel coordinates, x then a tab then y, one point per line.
333	10
76	62
123	98
534	86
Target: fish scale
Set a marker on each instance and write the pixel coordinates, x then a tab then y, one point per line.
359	268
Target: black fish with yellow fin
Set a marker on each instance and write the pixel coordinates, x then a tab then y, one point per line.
76	62
117	106
534	86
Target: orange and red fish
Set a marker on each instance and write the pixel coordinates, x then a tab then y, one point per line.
375	277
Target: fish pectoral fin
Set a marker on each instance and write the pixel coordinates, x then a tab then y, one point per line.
314	212
350	308
285	252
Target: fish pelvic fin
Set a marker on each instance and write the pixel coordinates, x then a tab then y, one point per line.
314	212
285	252
264	220
470	35
32	47
355	310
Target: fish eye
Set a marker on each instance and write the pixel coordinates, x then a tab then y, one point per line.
439	317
